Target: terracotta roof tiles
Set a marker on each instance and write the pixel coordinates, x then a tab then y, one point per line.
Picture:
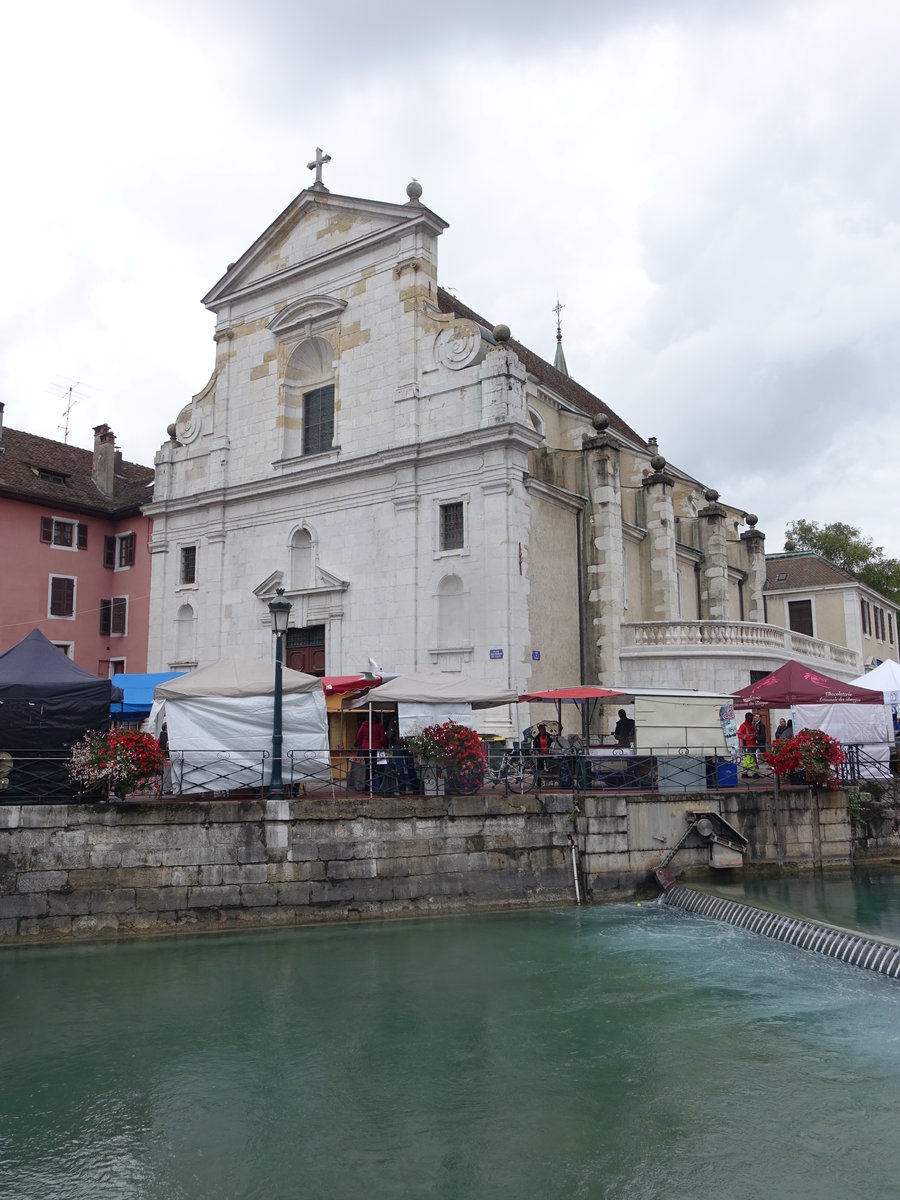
802	569
48	472
555	381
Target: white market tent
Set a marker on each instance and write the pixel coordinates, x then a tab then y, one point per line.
430	698
885	678
226	709
665	718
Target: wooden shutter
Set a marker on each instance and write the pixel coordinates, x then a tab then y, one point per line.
62	596
47	530
82	536
105	617
119	614
109	552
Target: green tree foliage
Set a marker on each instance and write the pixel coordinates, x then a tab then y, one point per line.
845	546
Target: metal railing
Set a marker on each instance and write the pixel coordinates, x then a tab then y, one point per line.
42	777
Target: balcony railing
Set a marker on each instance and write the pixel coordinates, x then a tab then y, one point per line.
740	635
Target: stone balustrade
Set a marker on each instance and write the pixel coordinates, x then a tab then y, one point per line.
745	635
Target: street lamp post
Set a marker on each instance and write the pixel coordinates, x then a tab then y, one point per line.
280	610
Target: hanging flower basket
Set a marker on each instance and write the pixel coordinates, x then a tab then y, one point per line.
121	762
453	750
811	753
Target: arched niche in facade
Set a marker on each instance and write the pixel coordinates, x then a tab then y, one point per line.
452	612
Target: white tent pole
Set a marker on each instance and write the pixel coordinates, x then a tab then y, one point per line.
371	760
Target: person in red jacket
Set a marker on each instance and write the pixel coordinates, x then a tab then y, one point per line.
370	738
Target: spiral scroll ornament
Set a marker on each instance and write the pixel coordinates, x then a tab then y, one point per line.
188	424
459	345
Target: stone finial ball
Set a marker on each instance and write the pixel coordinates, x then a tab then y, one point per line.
501	333
600	421
752	519
414	190
711	495
170	430
790	545
657	462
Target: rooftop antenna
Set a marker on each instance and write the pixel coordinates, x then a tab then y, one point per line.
70	404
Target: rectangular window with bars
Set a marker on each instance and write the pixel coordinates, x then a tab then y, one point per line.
453	532
318	420
62	596
188	572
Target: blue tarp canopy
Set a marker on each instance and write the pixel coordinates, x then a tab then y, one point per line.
137	693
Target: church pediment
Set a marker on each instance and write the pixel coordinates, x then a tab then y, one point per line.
310	308
325	581
317	227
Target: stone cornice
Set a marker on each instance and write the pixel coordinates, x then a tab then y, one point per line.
656	477
555	495
306	310
508	434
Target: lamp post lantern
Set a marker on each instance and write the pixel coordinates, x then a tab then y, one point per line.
280	610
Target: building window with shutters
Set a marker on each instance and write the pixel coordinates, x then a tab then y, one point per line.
318	419
64	535
800	617
866	614
61	601
187	571
126	551
114	616
118	551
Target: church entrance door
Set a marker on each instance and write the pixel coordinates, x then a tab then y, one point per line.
305	650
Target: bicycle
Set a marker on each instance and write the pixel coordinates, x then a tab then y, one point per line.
515	772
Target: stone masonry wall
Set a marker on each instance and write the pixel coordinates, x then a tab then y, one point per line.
622	838
99	870
104	870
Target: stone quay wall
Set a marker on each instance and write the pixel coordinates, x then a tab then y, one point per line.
101	870
71	871
622	837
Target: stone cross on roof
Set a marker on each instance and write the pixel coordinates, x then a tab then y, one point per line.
317	164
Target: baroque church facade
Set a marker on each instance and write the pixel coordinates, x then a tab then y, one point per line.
429	492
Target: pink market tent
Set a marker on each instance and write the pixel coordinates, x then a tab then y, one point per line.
582	694
577	694
794	684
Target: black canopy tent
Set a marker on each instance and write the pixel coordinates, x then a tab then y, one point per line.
46	703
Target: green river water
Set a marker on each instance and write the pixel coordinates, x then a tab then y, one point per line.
626	1051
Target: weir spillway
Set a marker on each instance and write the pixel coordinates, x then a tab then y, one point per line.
844	945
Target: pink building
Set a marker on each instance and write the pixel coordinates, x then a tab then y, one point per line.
74	546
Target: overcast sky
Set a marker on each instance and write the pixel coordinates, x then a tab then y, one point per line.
710	188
